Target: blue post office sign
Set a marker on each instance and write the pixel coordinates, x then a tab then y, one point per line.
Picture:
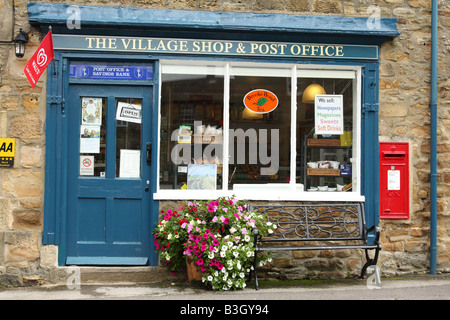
111	72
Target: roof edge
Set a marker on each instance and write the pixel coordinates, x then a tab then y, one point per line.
59	14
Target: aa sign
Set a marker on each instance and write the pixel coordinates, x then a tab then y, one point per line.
40	60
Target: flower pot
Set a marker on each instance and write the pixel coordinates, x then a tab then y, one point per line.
193	272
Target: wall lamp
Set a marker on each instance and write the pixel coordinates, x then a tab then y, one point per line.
19	43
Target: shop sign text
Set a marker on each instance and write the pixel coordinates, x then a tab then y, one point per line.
214	47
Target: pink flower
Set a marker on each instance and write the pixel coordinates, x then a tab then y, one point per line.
226	220
244	230
205	236
200	262
215	242
236	215
214	219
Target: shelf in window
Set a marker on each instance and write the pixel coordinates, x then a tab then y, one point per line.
323	172
323	142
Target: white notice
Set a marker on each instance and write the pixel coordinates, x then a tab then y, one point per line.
329	114
130	163
393	180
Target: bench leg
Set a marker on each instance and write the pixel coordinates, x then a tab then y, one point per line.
369	262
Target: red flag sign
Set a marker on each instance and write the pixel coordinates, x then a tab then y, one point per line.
40	60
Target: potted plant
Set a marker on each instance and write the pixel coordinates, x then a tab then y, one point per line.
213	236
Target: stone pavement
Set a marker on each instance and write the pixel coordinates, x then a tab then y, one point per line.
423	287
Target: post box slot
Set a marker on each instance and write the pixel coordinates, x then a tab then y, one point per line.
393	154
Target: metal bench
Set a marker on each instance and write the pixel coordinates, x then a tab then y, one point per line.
317	227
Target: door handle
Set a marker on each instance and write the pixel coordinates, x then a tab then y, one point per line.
149	153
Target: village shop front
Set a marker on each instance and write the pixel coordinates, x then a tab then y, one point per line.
152	106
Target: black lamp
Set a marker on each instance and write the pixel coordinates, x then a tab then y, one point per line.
19	43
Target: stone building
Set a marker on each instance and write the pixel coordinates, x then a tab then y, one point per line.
42	200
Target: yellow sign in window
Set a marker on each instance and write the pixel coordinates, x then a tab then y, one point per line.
7	146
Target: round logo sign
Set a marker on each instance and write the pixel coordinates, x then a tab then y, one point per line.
261	101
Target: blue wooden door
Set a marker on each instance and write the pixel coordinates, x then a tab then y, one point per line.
109	182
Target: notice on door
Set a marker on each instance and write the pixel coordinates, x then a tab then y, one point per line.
129	112
130	163
329	114
86	165
89	139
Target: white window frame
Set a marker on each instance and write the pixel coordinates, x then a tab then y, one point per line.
286	191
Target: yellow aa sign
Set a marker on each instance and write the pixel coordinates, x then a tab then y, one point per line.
7	147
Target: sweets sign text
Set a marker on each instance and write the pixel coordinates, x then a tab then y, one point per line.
214	47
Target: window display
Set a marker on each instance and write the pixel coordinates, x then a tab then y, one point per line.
273	140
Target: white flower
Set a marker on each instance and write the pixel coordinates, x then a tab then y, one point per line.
223	254
233	230
210	278
247	238
236	254
242	275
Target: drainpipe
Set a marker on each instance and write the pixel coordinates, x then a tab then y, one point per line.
433	128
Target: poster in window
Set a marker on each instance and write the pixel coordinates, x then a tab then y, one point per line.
89	139
201	176
329	114
184	134
91	111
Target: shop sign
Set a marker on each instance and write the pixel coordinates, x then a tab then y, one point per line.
129	112
329	114
214	47
261	101
110	72
7	147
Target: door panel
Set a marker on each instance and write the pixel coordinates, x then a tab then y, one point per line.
109	211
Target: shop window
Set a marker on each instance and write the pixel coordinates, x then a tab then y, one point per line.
259	139
238	129
191	149
325	153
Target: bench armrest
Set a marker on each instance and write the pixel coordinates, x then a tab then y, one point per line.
377	230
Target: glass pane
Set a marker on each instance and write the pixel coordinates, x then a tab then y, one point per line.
128	137
324	160
259	134
93	137
191	128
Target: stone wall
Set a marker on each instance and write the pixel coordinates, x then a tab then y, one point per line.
404	116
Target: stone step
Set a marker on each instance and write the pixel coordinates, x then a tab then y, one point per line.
113	275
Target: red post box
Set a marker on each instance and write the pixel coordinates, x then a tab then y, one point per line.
394	180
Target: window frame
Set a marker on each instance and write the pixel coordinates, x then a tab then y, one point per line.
284	194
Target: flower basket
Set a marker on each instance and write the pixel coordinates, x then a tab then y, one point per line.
193	272
215	237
